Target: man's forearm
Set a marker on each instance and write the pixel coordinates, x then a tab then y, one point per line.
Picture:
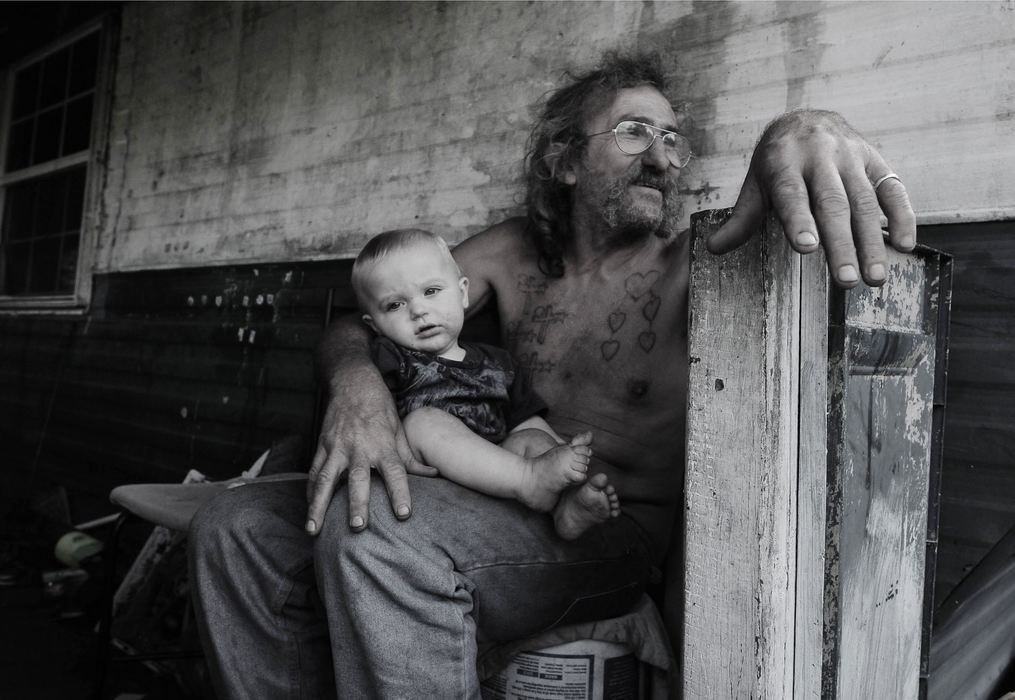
344	347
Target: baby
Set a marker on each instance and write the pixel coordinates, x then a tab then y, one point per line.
465	408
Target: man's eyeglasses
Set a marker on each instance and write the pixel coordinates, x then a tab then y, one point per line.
635	137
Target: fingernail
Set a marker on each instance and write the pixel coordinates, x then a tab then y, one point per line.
806	239
847	273
876	271
311	527
907	242
402	511
356	523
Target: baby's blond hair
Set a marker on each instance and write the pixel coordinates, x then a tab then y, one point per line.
388	242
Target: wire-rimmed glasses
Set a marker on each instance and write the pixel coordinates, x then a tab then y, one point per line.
637	137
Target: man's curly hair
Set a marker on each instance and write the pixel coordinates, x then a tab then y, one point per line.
558	139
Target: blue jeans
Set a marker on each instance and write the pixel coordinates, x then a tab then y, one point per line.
395	611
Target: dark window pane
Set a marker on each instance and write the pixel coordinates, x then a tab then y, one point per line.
75	199
84	64
16	268
78	125
52	199
19	145
47	135
67	273
54	78
44	265
19	217
41	231
26	87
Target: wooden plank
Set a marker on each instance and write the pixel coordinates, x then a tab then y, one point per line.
977	502
973	643
166	403
294	289
981	483
741	558
807	542
881	514
811	479
882	369
125	361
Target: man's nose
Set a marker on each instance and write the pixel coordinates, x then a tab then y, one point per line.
656	155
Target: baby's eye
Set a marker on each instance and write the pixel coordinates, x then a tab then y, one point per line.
430	291
393	306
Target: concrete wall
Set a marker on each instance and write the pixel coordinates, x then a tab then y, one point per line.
266	132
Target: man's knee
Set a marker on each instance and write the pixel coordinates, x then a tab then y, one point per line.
384	532
209	522
243	514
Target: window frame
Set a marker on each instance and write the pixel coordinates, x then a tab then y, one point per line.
94	158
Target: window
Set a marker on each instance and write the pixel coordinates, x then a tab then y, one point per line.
48	146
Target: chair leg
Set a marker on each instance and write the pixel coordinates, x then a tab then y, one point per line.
106	622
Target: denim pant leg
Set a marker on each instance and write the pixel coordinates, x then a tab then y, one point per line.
407	601
262	625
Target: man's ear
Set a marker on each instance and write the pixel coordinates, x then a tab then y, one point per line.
369	320
561	166
463	284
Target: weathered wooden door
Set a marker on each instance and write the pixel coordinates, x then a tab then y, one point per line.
812	457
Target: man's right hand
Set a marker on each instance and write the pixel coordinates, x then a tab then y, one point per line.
817	173
361	431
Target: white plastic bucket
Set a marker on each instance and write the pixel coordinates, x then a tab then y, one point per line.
580	670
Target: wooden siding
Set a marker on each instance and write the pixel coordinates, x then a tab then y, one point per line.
250	132
173	370
977	497
905	74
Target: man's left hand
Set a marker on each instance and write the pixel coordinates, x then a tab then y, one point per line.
817	174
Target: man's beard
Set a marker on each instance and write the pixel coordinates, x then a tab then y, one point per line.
628	220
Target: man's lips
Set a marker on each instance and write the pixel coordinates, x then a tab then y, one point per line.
651	184
650	187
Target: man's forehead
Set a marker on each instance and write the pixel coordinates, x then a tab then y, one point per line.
644	103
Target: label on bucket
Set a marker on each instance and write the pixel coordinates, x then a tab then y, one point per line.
584	670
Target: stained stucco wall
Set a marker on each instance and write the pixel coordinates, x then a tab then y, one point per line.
266	132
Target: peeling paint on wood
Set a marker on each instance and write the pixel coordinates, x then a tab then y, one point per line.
296	136
808	475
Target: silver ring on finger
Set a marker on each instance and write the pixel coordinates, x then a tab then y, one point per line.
881	180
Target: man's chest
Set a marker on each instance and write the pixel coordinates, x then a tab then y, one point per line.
623	342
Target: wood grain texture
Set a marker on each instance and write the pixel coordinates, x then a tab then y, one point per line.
810	431
740	585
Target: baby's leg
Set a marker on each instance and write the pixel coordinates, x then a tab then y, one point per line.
590	504
442	441
549	467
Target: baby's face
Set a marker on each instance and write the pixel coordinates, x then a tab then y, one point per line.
417	298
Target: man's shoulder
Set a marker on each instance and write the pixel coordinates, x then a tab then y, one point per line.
505	238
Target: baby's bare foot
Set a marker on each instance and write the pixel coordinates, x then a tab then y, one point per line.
553	471
590	504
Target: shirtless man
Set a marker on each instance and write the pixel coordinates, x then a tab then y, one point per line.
591	289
